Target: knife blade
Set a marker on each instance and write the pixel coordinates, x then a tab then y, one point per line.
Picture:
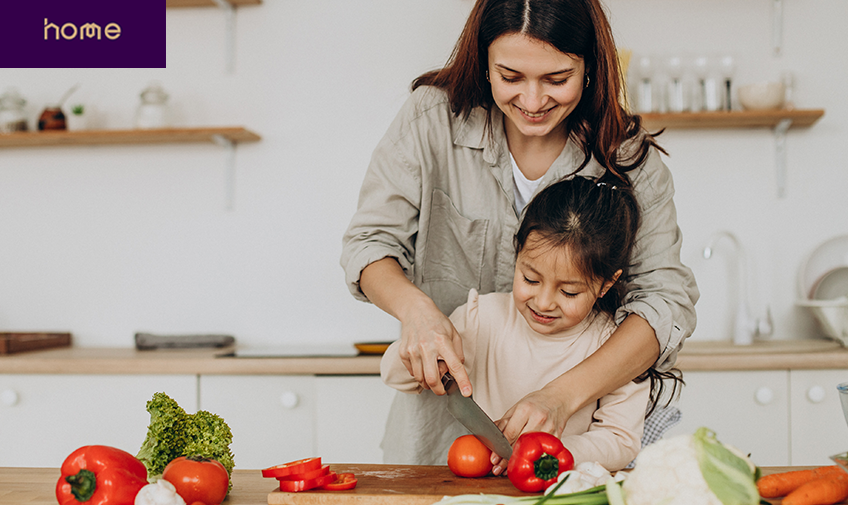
470	415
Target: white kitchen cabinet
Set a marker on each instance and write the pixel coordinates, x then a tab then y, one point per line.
746	409
818	427
351	413
272	417
276	419
43	418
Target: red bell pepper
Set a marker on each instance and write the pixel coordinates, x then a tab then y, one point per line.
537	459
100	475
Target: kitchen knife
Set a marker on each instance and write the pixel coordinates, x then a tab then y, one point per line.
467	412
841	460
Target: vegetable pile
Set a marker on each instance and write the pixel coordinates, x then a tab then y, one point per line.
683	470
173	433
824	485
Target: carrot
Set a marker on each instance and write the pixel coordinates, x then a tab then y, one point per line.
825	490
781	484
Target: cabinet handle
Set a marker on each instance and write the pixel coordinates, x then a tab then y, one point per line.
9	397
764	395
816	394
289	399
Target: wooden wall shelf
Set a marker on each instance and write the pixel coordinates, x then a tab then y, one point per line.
733	119
207	3
105	137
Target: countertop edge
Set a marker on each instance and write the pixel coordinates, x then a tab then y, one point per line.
129	361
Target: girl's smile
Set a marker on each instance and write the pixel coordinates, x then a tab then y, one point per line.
540	318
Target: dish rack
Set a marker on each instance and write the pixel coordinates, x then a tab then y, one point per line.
823	287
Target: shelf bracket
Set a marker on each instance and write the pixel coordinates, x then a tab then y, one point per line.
780	155
777	26
229	169
230	38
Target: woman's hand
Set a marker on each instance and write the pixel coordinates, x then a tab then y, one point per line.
430	346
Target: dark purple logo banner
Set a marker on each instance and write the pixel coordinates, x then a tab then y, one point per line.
83	34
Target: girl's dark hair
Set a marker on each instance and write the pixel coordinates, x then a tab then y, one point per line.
600	124
597	220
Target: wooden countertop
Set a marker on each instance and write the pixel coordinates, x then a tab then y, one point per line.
696	355
76	360
379	485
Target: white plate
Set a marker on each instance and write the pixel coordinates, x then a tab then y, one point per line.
829	256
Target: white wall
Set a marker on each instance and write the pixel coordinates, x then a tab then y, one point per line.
106	241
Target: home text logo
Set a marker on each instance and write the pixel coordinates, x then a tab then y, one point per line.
89	30
84	34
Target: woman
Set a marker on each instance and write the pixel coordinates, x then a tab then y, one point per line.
529	96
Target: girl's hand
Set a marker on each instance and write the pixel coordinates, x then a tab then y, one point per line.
542	410
499	463
429	346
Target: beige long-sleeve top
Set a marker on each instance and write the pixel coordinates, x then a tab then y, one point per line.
506	359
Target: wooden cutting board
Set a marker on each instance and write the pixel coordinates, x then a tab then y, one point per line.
15	342
396	485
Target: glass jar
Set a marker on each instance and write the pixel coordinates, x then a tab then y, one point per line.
12	117
153	111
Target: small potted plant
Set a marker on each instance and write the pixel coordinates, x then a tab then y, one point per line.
77	119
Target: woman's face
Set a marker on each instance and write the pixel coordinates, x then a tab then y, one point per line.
549	290
534	84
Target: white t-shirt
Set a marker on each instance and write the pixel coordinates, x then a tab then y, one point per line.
524	187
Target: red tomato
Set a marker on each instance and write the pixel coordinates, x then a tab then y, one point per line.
299	466
468	457
343	481
293	486
204	480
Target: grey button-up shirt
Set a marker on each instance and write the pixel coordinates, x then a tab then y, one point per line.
438	196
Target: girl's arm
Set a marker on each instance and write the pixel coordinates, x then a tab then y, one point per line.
427	335
630	350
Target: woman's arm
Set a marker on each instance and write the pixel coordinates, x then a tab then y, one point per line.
427	335
630	350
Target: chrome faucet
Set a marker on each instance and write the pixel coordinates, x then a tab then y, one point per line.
746	327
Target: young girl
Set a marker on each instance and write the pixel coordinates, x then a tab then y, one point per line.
572	255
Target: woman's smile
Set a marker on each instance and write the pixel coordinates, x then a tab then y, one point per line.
535	116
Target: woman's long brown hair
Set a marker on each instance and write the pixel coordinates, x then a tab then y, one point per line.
600	124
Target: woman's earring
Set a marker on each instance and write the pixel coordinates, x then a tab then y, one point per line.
487	76
587	81
603	293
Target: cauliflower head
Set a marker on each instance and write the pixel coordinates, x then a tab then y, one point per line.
691	470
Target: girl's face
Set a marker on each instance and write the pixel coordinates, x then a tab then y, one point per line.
549	290
534	84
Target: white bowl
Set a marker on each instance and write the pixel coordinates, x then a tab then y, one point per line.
762	95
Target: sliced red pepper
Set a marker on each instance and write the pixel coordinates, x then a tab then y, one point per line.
343	481
293	467
293	486
314	474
